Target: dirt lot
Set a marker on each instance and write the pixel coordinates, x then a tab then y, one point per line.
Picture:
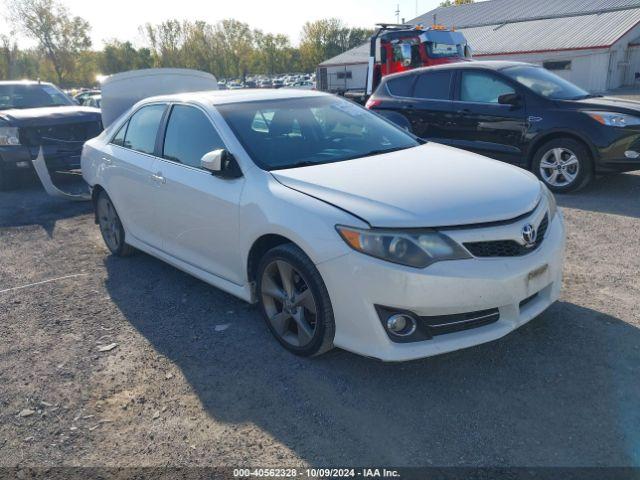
196	379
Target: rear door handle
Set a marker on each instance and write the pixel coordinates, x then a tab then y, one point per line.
107	160
157	177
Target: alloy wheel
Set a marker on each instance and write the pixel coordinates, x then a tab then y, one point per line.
559	167
109	223
289	303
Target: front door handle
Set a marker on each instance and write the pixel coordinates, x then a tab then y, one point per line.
107	160
157	177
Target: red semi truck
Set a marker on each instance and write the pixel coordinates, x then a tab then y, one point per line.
392	49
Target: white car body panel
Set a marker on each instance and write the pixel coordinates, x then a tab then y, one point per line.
206	226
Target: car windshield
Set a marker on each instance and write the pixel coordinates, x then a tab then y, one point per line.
307	131
545	83
31	96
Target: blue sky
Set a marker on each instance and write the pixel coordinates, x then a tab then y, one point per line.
121	18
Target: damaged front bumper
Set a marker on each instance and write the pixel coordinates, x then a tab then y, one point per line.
43	160
42	171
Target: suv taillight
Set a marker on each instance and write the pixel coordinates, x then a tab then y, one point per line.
372	103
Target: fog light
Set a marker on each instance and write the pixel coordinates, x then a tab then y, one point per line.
401	325
22	164
631	154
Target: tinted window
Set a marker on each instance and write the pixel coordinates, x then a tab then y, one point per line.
118	139
433	85
189	136
143	128
401	86
545	83
294	132
31	96
482	87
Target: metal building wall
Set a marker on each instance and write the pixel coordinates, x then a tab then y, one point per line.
589	68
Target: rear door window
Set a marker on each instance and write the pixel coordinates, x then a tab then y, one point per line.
143	129
434	85
118	139
401	86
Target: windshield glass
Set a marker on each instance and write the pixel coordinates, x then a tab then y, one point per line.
444	50
545	83
31	96
307	131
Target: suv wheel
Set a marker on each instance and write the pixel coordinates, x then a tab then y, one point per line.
294	301
564	165
111	227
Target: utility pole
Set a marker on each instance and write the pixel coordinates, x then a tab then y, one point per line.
417	14
398	14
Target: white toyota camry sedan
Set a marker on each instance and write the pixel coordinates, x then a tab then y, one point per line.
346	230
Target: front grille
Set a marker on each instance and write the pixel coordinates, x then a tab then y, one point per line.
507	248
65	134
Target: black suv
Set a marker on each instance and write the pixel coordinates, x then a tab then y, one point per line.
519	113
36	115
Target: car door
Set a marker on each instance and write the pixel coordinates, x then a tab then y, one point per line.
199	211
481	123
429	109
129	168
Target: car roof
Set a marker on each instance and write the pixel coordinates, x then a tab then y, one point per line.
494	65
221	97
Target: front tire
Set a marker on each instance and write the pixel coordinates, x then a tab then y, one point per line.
111	227
294	301
564	165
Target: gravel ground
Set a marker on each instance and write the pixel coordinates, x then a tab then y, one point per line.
196	379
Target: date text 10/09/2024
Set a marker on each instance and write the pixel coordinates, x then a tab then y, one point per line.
315	473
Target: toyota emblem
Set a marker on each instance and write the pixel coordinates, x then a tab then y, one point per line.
529	235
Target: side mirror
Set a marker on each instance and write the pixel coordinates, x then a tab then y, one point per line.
221	163
512	99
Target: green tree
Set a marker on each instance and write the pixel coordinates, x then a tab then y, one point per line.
119	56
8	56
166	40
327	38
60	36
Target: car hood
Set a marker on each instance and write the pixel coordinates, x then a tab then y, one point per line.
609	104
427	186
30	117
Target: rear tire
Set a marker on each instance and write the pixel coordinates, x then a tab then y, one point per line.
564	165
111	227
294	301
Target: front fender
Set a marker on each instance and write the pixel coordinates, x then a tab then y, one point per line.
304	220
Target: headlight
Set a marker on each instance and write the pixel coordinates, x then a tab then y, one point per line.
417	249
9	136
551	201
612	119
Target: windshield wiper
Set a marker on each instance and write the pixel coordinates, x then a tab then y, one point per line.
377	152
